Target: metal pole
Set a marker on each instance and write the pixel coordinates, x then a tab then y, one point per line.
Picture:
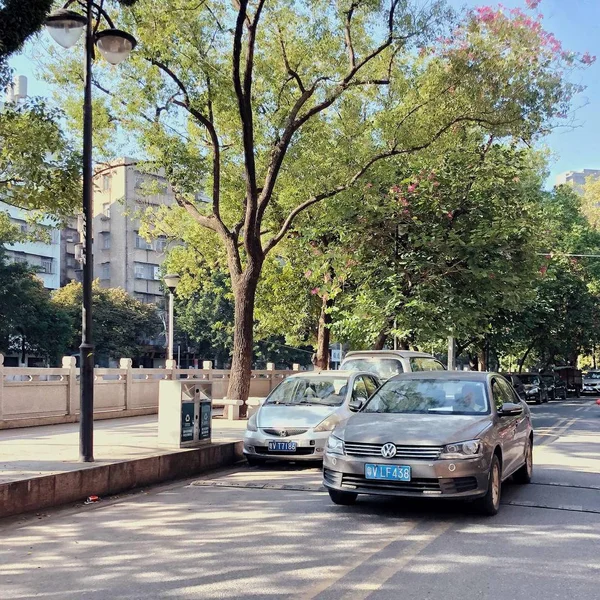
86	421
451	354
171	319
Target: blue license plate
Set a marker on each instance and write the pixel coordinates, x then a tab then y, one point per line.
282	446
387	472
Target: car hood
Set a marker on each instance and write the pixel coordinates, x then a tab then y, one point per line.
277	415
591	381
412	429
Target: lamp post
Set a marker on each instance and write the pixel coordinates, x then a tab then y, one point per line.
171	281
66	27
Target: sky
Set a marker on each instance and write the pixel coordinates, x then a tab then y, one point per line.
574	22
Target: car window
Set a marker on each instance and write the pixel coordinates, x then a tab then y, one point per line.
508	392
328	391
371	385
384	368
501	393
430	396
423	363
359	391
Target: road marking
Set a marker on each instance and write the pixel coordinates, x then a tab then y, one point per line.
557	431
563	507
258	486
567	485
385	573
314	591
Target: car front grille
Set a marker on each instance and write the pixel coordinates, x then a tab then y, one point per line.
284	432
456	485
359	482
402	452
298	452
332	477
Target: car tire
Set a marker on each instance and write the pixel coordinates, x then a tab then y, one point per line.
490	503
254	461
524	474
342	498
539	399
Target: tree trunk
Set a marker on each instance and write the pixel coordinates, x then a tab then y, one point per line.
482	360
524	357
244	292
381	339
323	335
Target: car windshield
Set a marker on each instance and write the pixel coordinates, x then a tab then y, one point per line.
423	363
326	391
593	375
385	368
530	379
427	396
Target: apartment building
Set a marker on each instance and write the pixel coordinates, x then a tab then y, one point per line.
123	258
43	255
70	252
576	178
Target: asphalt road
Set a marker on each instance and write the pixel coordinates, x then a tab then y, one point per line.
273	533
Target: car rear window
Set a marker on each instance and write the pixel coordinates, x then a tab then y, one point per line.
421	363
384	368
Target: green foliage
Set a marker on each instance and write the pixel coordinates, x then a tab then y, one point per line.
29	322
38	168
121	323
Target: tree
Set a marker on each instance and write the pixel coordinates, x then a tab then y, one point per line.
121	323
29	322
282	133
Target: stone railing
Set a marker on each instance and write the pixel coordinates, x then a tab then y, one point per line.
42	396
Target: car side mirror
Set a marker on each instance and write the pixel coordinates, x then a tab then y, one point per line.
510	409
356	404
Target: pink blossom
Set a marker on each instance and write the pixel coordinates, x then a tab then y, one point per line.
404	201
315	291
412	187
369	185
436	183
405	212
543	270
450	215
308	274
532	4
588	59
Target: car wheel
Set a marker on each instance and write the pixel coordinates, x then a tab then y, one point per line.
253	461
490	503
539	399
524	474
565	394
342	498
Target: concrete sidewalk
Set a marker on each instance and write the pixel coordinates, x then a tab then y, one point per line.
39	466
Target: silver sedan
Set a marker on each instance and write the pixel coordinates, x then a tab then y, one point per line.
297	417
439	434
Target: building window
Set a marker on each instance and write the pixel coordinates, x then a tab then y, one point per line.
161	244
46	266
106	241
146	271
106	210
106	183
105	273
24	228
141	243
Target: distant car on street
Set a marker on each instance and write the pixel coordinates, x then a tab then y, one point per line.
516	382
591	382
557	387
388	363
572	377
433	435
535	387
297	417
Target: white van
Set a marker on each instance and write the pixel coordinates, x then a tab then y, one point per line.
387	363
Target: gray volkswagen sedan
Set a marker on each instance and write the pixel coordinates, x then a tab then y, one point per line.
443	434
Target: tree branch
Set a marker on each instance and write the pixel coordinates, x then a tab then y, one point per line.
348	35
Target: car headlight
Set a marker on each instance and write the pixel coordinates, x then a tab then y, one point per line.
327	424
335	445
252	426
533	390
468	449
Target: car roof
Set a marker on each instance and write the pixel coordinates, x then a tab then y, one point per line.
455	375
383	353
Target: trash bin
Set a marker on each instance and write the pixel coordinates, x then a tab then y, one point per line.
184	413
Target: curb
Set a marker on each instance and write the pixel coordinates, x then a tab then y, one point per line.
37	493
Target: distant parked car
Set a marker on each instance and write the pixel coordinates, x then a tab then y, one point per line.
388	363
535	387
557	387
572	377
591	382
433	435
516	382
297	417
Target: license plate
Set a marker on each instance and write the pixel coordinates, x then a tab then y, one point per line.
282	446
387	472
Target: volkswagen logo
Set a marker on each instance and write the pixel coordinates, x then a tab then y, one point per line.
388	450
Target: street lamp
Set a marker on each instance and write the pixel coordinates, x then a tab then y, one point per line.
66	26
171	281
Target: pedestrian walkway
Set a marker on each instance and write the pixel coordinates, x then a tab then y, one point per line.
51	449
